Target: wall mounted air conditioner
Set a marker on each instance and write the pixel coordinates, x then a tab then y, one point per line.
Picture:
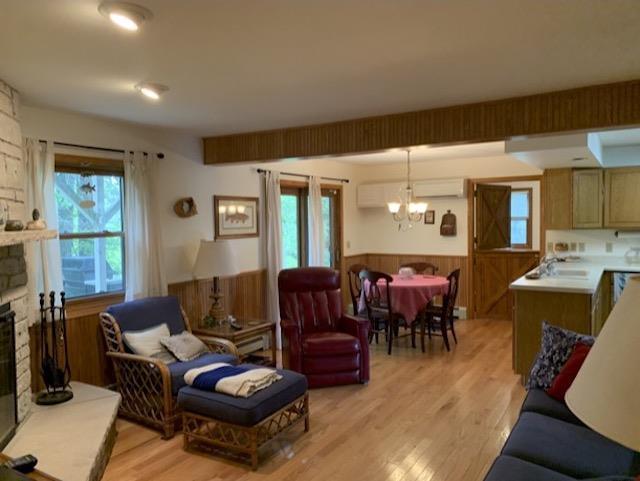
440	188
377	195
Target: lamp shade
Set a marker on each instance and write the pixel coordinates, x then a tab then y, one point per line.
215	259
606	393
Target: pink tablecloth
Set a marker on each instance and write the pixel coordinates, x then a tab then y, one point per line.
410	296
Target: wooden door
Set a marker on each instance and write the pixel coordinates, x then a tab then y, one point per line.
587	199
493	273
493	216
622	198
556	187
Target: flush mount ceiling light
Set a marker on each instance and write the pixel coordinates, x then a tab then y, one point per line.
151	90
128	16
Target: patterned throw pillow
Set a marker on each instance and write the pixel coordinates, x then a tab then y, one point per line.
557	346
184	346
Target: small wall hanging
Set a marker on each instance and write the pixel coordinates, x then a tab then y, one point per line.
235	217
430	217
185	207
448	225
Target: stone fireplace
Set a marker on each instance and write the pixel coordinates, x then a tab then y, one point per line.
12	195
8	397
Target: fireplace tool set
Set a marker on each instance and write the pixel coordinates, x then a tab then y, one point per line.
54	356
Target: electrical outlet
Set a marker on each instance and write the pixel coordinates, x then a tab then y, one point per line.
572	247
581	247
609	247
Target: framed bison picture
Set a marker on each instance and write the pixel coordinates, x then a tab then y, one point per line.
235	217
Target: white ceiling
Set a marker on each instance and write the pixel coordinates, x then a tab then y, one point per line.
426	153
240	65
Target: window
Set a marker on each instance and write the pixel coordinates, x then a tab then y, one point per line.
90	221
295	234
521	218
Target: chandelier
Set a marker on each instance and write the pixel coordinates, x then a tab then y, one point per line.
407	210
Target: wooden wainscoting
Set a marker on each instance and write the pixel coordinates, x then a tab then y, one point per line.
392	262
87	358
245	296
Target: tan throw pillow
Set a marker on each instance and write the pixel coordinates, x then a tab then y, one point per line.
147	342
185	346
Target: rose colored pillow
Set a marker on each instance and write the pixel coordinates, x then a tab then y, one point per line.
569	371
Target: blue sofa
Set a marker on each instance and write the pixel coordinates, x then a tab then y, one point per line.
550	443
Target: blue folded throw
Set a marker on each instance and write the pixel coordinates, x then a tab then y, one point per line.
207	380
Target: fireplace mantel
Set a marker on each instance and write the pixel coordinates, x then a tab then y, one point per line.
19	237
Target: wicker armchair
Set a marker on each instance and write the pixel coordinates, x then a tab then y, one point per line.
143	382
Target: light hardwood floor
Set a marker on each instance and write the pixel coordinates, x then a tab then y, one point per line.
430	417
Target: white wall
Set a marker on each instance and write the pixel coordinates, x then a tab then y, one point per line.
380	231
181	173
595	241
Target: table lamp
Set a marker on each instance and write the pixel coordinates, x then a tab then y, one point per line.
606	392
215	259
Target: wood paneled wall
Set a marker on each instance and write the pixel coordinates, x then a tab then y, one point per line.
598	106
245	296
87	358
392	262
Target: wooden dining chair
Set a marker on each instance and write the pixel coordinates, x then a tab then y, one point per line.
379	307
355	285
442	315
422	267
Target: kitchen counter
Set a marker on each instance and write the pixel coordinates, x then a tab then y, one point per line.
585	278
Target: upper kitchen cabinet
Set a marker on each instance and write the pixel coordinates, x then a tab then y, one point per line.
557	188
622	198
587	199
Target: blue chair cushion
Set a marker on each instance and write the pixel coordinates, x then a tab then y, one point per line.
149	312
506	468
568	449
178	369
538	401
244	411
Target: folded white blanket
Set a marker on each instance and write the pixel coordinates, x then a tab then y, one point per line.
243	384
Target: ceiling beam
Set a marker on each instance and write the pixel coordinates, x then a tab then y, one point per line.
593	107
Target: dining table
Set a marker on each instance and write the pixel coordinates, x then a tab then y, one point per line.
410	294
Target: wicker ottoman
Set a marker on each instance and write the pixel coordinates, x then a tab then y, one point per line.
239	426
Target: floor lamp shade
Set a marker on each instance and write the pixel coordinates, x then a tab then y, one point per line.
215	259
606	393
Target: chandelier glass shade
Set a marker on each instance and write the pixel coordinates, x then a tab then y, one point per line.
407	210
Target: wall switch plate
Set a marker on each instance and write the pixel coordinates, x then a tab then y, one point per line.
348	244
609	247
549	246
572	247
581	247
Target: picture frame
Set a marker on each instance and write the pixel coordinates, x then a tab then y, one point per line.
235	217
430	217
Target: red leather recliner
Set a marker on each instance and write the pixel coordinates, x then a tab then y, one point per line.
326	345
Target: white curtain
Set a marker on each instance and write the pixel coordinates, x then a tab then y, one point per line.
45	265
274	249
316	233
144	269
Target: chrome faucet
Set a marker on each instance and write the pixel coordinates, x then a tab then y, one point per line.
546	265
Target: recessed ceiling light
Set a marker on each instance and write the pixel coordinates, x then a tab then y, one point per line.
128	16
151	90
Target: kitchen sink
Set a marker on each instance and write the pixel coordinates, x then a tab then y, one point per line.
571	273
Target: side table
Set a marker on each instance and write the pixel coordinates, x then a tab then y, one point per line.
251	328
